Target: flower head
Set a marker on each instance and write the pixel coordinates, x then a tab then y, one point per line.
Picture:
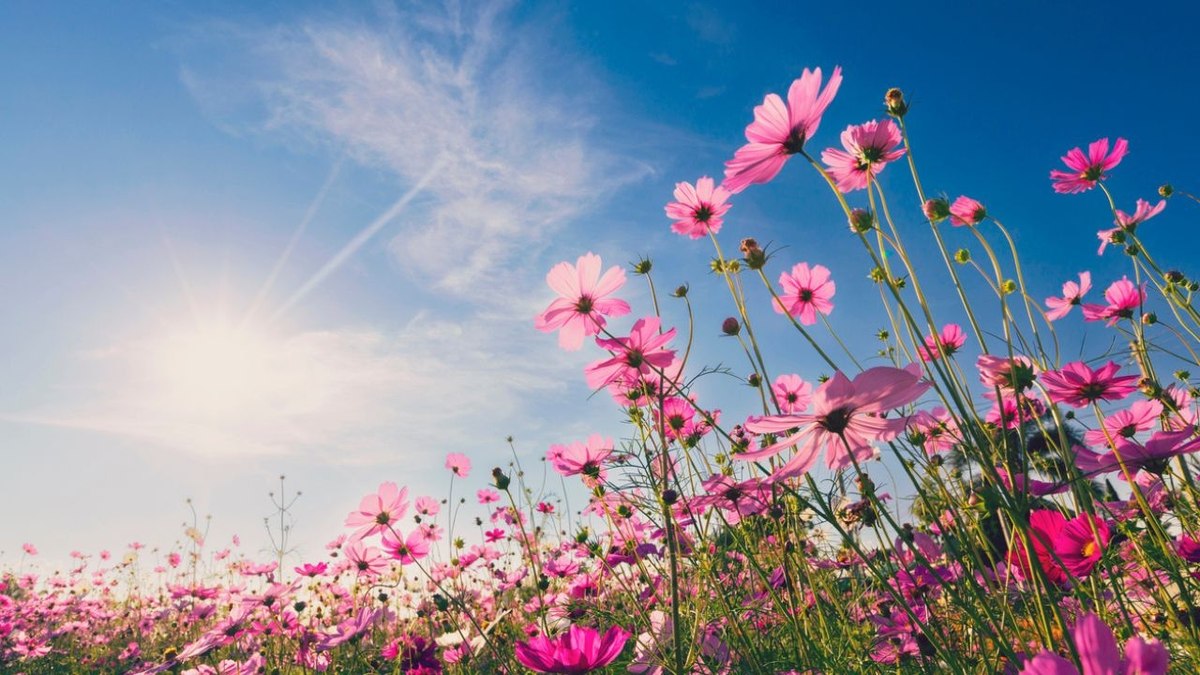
1099	654
581	458
779	130
792	394
966	211
1123	298
458	464
1088	170
1129	223
1079	386
643	353
868	148
1072	295
806	291
698	210
580	309
378	511
949	340
579	650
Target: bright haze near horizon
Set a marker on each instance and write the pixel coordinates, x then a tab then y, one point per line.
239	241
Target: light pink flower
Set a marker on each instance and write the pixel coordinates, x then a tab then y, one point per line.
365	560
1123	298
698	210
805	292
1151	456
779	131
1072	295
376	512
792	394
487	496
579	650
582	305
1022	483
1087	170
1009	375
935	431
1141	416
1079	386
1099	654
641	354
410	549
427	506
458	464
845	421
948	341
966	211
1128	223
868	148
29	549
582	458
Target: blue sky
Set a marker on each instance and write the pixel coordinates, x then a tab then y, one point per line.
422	168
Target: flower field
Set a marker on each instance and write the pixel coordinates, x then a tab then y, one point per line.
980	495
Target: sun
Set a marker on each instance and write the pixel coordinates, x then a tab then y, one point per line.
216	369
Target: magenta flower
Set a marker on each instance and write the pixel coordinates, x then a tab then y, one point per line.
1081	543
698	210
641	354
948	341
1024	484
792	394
806	292
458	464
1079	386
376	512
581	458
868	148
1128	223
779	131
1072	295
311	570
582	305
1087	170
1099	654
845	421
1151	455
966	211
579	650
1045	525
1123	298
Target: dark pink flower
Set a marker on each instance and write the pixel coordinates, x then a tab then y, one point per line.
868	148
805	292
1081	543
580	309
1044	528
1079	386
949	340
641	354
1128	223
1072	295
579	650
779	131
1123	298
698	210
845	421
1087	170
966	211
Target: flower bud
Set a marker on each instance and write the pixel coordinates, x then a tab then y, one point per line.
642	266
1183	375
936	209
681	292
893	100
753	254
1008	287
499	479
1165	190
731	326
861	221
962	256
877	275
1149	318
754	380
1174	276
670	496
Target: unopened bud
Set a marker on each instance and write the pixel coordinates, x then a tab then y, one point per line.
962	256
877	275
642	266
1008	287
861	221
670	497
1165	190
754	380
936	209
1174	276
681	292
753	254
1149	318
893	100
731	326
499	479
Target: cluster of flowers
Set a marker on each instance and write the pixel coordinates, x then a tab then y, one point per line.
1045	512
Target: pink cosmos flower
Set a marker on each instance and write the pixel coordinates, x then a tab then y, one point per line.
1099	654
1081	543
1072	295
579	650
935	431
641	354
698	210
1044	528
487	496
1079	386
1008	375
410	549
458	464
494	535
1123	298
376	512
1128	223
365	560
779	131
1087	170
806	292
580	309
1151	456
792	394
427	506
1141	416
966	211
949	340
29	549
868	148
582	458
311	570
845	421
1022	483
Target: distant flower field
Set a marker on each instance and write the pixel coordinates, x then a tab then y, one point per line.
1051	522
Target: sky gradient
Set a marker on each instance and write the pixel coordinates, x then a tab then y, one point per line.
373	194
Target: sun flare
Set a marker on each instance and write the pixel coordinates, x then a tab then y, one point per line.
218	369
